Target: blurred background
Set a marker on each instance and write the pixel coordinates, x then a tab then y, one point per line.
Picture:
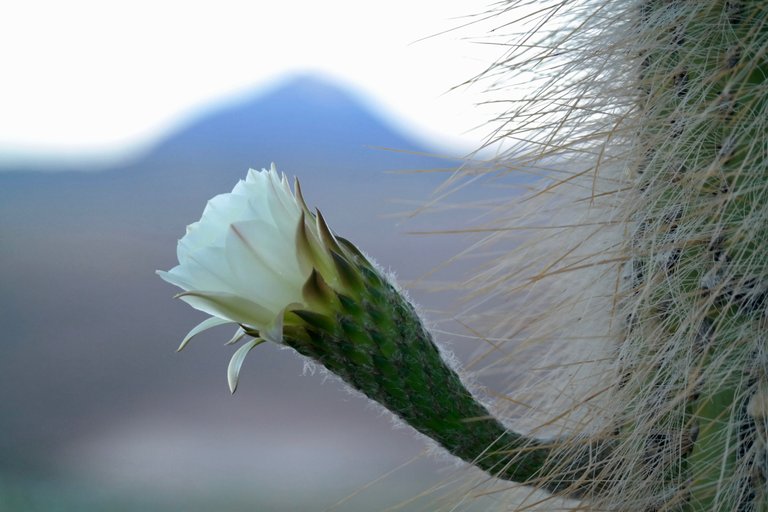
117	122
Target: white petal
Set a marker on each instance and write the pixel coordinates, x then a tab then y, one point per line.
255	200
239	334
240	262
229	307
274	331
254	176
222	210
202	326
252	269
174	279
274	250
283	206
233	370
205	269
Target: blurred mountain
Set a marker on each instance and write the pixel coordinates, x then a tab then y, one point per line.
89	380
303	118
307	125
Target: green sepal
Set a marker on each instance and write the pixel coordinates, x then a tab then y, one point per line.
300	197
316	320
317	292
348	274
354	332
372	279
312	252
352	248
328	239
349	305
386	345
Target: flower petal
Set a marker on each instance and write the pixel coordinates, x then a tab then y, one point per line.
221	210
202	326
228	306
174	279
203	269
252	245
233	370
239	334
274	331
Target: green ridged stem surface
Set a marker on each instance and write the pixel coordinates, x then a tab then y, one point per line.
377	344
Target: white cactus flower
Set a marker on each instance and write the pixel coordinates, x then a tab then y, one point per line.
249	257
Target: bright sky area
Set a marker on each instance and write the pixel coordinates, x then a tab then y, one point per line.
100	78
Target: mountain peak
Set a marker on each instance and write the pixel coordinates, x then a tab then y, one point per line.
305	113
312	88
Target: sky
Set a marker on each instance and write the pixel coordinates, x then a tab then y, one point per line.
101	79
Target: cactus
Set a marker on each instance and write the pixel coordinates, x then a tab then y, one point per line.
696	307
648	119
664	105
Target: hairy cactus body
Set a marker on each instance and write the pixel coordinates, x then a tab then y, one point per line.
696	306
666	105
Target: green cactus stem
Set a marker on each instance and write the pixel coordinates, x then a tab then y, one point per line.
373	339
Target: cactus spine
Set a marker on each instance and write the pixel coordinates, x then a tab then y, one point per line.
668	101
696	307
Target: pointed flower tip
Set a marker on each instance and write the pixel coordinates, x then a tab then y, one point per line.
236	363
239	334
317	292
206	324
300	197
326	235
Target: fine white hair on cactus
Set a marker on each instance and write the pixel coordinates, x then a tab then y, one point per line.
544	301
657	111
